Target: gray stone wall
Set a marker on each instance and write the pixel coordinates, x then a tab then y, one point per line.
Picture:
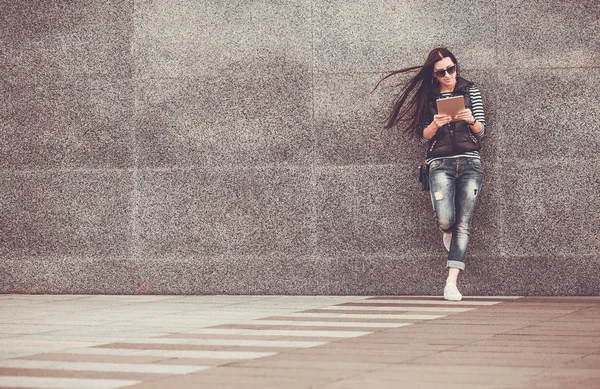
161	146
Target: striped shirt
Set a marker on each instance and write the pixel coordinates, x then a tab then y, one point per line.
477	109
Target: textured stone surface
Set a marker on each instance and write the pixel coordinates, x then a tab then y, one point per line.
237	116
534	275
548	33
349	123
556	119
216	274
53	39
302	275
364	210
379	36
239	274
381	210
550	208
79	213
84	123
239	211
154	146
349	120
187	38
69	275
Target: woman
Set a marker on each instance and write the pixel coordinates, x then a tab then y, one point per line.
455	171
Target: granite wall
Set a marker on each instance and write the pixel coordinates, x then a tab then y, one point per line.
207	147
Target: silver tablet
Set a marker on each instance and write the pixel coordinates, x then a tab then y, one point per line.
451	106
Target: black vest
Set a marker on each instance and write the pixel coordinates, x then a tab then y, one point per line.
456	137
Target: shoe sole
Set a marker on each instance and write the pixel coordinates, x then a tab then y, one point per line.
453	299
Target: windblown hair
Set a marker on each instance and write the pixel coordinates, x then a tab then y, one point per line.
411	106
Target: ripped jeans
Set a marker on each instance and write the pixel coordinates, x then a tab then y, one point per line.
455	185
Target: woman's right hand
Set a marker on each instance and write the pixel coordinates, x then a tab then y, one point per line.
441	120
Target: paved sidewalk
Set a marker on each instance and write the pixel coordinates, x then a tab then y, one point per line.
289	342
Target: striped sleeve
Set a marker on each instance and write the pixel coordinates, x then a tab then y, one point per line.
477	109
421	137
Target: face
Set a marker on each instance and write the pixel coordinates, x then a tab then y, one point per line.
445	79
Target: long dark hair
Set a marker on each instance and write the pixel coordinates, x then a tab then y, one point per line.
410	107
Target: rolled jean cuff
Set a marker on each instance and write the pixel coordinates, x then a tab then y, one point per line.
456	264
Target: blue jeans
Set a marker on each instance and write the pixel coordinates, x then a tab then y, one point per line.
455	185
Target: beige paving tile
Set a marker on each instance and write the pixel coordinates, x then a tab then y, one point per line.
206	354
434	327
366	309
327	358
326	332
416	341
198	361
309	365
198	347
320	324
423	337
370	315
63	383
298	320
288	372
272	344
441	302
342	346
187	335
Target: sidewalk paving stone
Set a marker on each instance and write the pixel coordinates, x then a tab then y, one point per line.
294	342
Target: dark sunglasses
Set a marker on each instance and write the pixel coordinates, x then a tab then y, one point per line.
442	73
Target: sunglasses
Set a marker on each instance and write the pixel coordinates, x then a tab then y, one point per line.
442	73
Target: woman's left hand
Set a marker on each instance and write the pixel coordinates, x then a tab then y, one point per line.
465	115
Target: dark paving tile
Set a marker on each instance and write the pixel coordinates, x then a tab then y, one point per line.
66	357
275	362
48	373
496	359
587	362
249	381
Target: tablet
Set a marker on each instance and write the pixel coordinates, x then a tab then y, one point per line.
451	106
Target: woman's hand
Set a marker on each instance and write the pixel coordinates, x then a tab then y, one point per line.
440	120
465	115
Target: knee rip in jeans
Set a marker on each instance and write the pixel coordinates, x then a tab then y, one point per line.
438	196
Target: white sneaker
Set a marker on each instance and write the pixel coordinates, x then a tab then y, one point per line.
447	240
451	293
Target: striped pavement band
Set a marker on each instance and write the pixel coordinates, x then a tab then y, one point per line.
122	363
